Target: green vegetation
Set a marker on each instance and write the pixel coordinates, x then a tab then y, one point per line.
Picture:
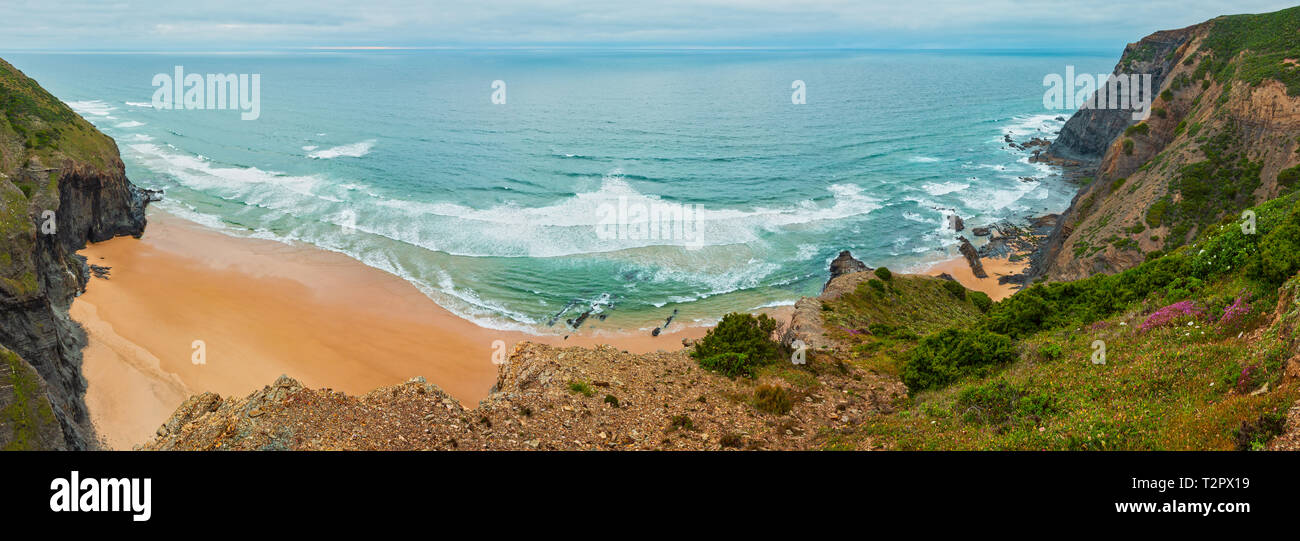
956	289
1265	41
881	328
772	399
44	126
1000	403
1221	185
739	345
1022	376
952	354
581	387
1141	128
28	414
884	274
1288	177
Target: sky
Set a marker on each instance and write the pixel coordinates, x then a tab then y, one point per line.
236	25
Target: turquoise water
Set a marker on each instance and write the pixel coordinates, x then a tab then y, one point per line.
401	160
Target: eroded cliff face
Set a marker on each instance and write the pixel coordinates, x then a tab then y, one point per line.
1223	127
1087	135
62	184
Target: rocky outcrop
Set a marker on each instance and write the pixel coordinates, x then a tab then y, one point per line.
63	185
972	258
843	264
545	398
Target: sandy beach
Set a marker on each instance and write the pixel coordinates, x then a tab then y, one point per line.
258	309
994	267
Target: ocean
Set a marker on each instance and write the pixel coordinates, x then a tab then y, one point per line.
500	211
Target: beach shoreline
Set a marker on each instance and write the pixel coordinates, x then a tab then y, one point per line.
260	308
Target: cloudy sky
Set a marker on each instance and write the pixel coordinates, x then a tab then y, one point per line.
227	25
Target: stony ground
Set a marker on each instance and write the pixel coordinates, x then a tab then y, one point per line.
548	398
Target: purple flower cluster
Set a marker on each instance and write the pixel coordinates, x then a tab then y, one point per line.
1171	313
1235	312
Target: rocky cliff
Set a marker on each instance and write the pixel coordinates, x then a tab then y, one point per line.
1222	136
62	184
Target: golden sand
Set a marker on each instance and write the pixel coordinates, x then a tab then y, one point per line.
259	309
1001	266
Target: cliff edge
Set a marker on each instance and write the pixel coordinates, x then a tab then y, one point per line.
62	184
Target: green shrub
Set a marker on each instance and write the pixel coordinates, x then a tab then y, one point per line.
1156	214
1000	402
1279	253
1050	352
876	285
1288	177
611	400
955	288
883	330
772	399
1140	128
981	300
1056	304
1128	146
579	386
743	334
731	364
884	273
951	354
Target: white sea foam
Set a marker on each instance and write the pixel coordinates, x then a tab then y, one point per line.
773	304
1028	126
91	107
139	104
922	159
943	188
130	124
569	226
354	150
